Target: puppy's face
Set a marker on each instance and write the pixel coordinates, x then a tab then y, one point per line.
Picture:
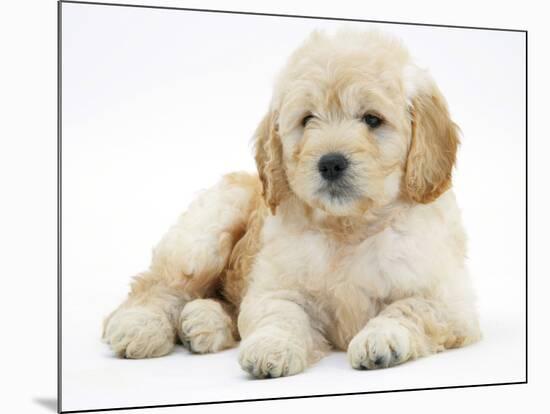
341	132
344	131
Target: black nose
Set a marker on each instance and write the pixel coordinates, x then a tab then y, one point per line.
332	166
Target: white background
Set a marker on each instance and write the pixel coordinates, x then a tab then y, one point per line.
30	157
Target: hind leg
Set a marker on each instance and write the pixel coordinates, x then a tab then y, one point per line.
207	325
186	265
142	326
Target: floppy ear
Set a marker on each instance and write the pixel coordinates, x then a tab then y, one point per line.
433	147
269	161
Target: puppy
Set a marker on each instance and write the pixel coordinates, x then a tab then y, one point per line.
350	238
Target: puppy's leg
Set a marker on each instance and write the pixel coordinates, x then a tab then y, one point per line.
198	245
279	337
207	325
408	329
143	326
186	265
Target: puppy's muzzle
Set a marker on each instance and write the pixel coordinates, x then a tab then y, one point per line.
332	166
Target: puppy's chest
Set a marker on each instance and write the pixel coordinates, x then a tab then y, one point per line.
344	283
321	265
379	267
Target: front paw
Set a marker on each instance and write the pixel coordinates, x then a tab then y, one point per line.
271	355
382	343
138	332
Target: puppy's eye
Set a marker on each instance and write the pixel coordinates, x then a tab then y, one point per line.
306	119
372	120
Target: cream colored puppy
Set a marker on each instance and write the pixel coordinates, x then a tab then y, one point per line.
350	239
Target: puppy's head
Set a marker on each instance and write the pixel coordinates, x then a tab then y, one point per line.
355	125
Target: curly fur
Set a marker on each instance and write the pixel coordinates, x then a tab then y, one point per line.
295	266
